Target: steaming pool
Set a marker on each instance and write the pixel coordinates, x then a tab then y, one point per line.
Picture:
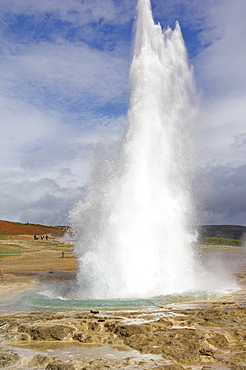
47	298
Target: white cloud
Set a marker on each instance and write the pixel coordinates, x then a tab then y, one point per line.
58	75
74	11
221	72
221	65
226	200
51	95
41	201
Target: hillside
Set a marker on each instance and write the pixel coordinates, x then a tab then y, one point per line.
223	231
17	228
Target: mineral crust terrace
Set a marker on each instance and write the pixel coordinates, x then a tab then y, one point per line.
208	335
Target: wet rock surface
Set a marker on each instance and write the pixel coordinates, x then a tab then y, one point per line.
59	366
208	335
8	358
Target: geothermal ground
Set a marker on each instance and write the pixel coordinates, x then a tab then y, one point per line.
199	335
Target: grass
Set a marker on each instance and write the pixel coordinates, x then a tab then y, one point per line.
8	252
219	242
61	247
7	249
30	246
52	245
219	246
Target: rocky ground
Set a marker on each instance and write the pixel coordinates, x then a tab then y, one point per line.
203	335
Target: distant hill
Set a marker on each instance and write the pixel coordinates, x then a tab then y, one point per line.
208	231
17	228
223	231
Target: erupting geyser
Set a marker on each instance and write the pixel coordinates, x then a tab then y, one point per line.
133	240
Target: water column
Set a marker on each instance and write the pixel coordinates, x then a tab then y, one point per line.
132	226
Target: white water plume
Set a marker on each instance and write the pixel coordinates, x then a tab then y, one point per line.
131	227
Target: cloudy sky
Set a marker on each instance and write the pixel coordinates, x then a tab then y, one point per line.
64	91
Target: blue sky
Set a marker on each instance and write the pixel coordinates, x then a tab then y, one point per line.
64	92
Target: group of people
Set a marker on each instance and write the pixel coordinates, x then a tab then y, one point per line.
42	237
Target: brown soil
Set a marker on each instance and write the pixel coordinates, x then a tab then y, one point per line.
17	228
